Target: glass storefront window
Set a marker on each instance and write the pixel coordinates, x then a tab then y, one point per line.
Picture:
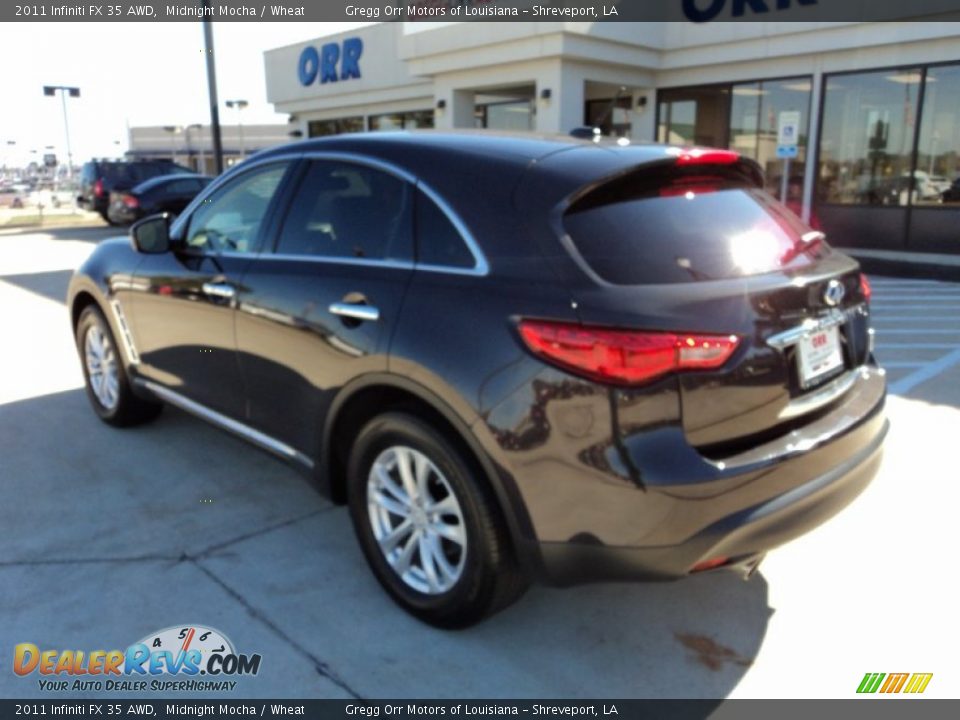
755	110
743	117
695	116
417	119
320	128
512	115
938	157
866	143
612	119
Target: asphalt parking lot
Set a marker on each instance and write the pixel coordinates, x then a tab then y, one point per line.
109	535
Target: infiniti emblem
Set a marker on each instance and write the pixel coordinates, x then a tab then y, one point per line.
834	293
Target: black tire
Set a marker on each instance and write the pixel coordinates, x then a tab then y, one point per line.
490	578
128	409
17	204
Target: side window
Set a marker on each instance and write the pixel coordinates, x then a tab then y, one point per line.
438	241
182	187
231	218
343	210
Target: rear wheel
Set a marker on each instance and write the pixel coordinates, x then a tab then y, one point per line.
428	524
107	384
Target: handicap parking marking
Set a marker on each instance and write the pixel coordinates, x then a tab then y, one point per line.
934	303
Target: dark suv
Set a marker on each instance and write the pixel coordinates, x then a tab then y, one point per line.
513	358
99	178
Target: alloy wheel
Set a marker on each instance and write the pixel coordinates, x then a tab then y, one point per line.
417	520
102	368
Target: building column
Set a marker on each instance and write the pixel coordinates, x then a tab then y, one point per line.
563	110
813	143
458	112
643	117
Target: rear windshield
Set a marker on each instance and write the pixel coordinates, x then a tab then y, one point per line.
686	230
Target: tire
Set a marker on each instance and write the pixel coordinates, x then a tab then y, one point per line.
111	396
471	579
17	204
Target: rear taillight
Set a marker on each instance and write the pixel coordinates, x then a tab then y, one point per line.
623	356
710	564
130	201
98	188
865	288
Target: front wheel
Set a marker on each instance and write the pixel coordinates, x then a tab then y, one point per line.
107	384
428	525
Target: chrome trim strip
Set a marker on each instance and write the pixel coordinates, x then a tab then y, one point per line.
361	160
355	311
395	264
817	399
225	423
789	337
125	334
223	290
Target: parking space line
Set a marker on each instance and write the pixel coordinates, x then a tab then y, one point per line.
923	331
917	318
927	372
918	346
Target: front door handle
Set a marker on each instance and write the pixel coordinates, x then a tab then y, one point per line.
220	290
355	311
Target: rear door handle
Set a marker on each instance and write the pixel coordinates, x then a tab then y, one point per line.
355	311
220	289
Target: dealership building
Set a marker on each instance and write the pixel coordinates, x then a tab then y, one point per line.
871	111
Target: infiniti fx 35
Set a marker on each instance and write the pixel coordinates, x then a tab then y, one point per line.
513	358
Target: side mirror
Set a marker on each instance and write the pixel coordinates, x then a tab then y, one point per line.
152	234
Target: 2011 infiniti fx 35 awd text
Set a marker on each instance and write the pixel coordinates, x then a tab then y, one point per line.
514	358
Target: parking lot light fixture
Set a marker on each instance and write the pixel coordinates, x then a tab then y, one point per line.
64	90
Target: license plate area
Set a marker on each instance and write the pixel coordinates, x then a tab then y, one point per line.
819	356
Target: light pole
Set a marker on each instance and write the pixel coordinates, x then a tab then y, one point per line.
239	105
50	91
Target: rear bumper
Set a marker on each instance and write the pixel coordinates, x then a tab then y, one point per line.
743	536
738	509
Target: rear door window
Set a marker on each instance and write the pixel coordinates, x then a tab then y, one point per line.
690	230
346	210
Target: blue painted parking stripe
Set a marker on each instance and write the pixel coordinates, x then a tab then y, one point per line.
915	318
923	331
927	372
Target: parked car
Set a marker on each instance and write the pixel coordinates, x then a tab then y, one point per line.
952	194
513	358
12	197
166	193
99	178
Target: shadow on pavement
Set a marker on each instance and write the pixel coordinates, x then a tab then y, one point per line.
51	284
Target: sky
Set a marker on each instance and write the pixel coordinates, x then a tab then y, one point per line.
129	74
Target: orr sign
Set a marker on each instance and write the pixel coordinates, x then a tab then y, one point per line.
332	62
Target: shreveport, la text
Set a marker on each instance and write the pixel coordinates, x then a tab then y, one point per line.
473	709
